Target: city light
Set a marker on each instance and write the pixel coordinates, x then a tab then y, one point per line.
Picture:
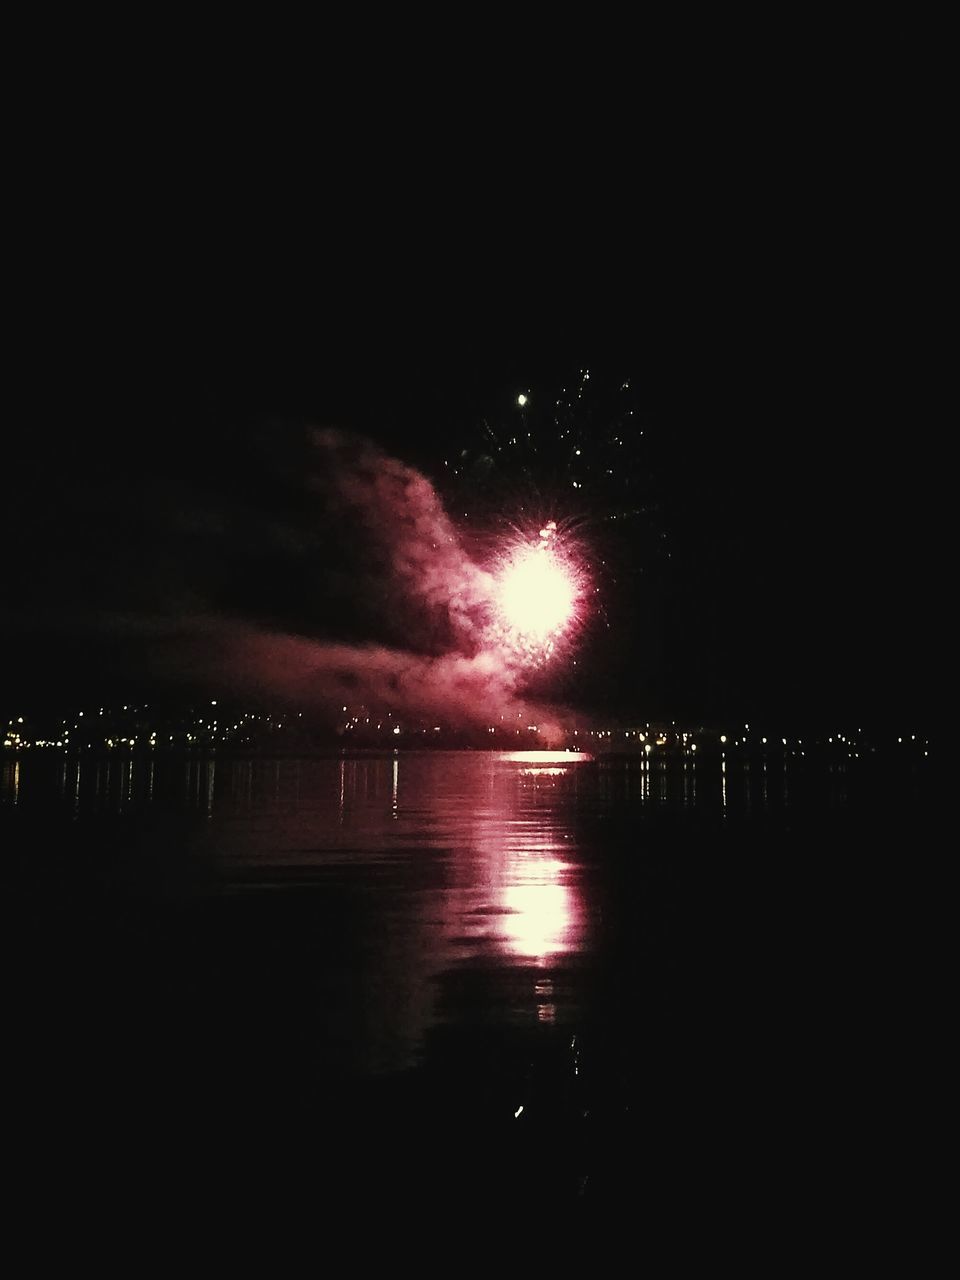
362	726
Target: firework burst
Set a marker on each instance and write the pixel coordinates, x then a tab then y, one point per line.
538	587
578	450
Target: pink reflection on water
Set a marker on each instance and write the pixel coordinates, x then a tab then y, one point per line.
541	909
545	757
527	898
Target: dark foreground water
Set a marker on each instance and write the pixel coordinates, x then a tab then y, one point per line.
524	985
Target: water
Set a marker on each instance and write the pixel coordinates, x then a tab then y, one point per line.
575	981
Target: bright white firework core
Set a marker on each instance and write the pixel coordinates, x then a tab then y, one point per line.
537	593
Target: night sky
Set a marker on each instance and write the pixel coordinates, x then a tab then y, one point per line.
781	564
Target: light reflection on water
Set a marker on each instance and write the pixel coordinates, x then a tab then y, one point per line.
544	757
363	788
467	861
444	863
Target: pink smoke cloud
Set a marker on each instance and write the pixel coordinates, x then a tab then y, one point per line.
465	677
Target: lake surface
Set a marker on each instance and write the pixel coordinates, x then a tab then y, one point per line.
473	978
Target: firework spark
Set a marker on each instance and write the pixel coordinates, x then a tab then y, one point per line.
537	591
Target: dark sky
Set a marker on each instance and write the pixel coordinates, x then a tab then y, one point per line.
790	408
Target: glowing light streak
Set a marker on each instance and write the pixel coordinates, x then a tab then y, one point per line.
545	757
